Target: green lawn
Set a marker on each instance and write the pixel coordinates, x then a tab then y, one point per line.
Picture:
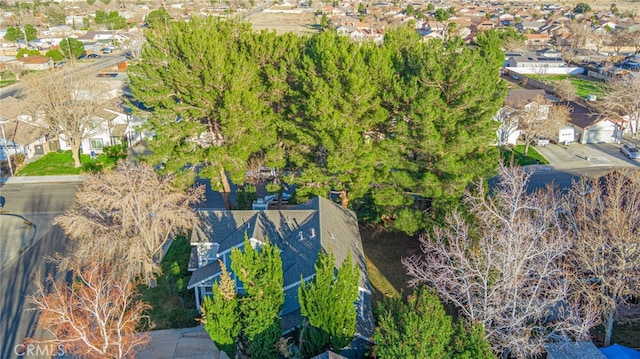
4	83
61	163
517	154
583	86
172	304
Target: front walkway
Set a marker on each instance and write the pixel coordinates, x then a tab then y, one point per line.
187	343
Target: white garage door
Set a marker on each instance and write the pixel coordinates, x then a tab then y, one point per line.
602	136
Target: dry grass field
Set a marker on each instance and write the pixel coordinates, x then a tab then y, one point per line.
298	23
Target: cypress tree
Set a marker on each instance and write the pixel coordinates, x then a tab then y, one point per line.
220	314
328	303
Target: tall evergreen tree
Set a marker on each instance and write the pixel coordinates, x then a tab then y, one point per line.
260	271
328	303
418	327
441	124
207	99
220	314
335	118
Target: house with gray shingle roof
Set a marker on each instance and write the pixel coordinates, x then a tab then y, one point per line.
300	233
573	350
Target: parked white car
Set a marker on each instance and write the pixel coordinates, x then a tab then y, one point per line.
631	151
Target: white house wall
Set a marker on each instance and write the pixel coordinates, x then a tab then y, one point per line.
547	70
601	132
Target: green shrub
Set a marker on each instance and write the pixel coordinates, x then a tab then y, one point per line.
55	55
116	151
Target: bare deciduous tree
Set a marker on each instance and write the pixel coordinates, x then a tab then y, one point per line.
618	38
538	118
579	33
70	106
621	99
97	315
565	90
506	269
606	249
16	68
126	217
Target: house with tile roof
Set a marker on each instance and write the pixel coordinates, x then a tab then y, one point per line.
300	233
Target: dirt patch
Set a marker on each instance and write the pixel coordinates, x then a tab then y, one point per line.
297	23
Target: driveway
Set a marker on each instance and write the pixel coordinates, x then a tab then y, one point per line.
577	155
188	343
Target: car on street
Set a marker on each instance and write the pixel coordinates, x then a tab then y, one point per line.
60	64
630	150
543	141
93	56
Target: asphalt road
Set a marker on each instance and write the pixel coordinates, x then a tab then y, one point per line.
39	203
564	178
15	90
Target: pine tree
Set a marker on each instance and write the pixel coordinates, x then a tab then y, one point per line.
338	111
328	303
442	105
220	314
208	99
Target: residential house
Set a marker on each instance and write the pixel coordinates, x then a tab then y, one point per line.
114	127
24	137
549	52
36	63
102	36
300	233
329	355
485	25
591	127
536	62
508	18
508	133
529	25
60	31
536	40
628	27
573	350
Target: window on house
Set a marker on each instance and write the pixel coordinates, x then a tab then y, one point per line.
96	143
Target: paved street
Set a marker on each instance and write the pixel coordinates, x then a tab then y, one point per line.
15	90
36	203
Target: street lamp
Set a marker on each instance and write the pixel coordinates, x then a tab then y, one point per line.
4	148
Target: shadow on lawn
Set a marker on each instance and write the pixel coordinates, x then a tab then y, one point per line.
384	251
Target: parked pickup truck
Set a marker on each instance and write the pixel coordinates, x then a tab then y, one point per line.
543	141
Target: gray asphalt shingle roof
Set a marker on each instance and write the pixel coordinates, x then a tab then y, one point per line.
300	233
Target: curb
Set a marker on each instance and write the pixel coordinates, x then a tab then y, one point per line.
43	179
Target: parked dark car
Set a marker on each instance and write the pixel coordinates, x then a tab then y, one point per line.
60	64
128	55
93	56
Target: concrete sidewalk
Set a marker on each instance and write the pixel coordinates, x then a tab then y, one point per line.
187	343
41	179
